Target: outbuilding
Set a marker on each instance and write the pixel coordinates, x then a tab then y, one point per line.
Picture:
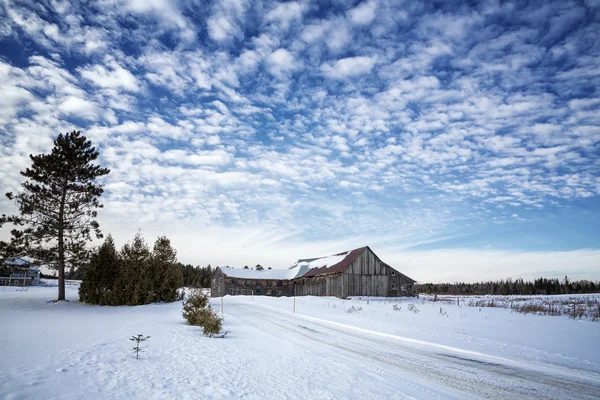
357	272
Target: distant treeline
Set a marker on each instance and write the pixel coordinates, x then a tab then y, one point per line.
509	286
196	277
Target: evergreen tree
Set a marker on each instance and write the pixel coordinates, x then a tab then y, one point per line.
57	206
166	276
100	277
135	282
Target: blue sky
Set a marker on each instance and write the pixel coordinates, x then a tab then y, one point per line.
460	140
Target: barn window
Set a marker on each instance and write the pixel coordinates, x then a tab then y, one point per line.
393	273
393	287
269	283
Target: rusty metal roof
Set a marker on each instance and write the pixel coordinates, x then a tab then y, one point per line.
336	268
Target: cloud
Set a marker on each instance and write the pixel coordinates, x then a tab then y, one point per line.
364	13
165	12
349	67
286	13
78	107
312	128
281	61
224	23
114	77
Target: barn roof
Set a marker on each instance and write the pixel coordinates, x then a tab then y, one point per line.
304	268
330	264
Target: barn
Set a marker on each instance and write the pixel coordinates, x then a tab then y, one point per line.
357	272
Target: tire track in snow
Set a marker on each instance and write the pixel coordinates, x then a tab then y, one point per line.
485	379
418	388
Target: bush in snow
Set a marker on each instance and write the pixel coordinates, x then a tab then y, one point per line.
198	312
353	310
396	307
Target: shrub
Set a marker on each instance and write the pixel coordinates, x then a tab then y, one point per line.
198	312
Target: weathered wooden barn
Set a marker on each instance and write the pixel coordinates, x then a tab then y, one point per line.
239	281
357	272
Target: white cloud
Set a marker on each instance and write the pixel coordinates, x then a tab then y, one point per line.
78	107
115	77
286	13
164	11
349	67
364	13
281	61
224	23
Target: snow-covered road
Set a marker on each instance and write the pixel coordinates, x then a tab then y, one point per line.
71	350
411	368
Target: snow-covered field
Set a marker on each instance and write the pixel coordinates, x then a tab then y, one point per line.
328	349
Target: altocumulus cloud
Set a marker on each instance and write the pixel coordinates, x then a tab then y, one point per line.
452	137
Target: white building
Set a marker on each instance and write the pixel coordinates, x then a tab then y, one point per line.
19	272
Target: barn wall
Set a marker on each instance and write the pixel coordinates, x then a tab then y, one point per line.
367	276
259	287
326	285
222	285
217	284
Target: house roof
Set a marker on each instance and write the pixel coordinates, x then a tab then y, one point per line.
17	262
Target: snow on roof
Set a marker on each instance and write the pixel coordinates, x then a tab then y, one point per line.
20	264
16	261
304	267
275	274
321	262
330	265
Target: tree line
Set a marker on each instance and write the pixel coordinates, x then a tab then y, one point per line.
134	275
196	277
540	286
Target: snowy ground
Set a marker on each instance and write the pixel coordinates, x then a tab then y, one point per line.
71	350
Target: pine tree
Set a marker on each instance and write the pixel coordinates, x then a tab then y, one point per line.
166	276
99	284
135	282
57	206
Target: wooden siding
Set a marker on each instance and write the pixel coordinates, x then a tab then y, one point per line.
323	285
222	285
367	276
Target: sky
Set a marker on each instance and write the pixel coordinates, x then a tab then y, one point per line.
459	140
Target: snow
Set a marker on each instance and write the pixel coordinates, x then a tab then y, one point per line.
320	262
275	274
69	350
298	269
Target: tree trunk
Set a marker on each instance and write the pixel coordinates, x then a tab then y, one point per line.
61	248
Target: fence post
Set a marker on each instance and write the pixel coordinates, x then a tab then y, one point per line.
221	305
294	304
252	294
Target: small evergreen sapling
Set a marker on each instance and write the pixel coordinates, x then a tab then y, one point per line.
138	339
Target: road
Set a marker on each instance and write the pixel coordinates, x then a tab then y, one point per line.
415	369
